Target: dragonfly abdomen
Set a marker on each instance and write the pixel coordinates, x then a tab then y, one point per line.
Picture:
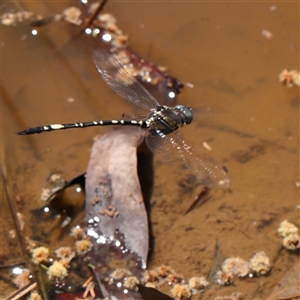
40	129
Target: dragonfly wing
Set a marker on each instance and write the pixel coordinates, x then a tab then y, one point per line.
173	150
121	82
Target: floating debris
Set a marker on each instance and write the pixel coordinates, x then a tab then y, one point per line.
286	228
206	146
197	283
89	289
120	274
12	233
289	232
181	292
236	266
54	183
57	271
289	78
164	271
223	278
78	233
131	283
151	276
292	241
22	279
40	255
103	26
174	278
267	34
72	15
260	263
179	289
34	295
8	19
83	246
65	254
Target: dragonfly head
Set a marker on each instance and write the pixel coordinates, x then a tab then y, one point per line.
187	112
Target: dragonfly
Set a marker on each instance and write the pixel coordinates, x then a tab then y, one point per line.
160	124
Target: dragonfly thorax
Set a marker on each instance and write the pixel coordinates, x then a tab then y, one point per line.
165	120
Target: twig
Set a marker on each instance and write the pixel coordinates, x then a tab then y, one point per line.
201	198
13	265
95	14
23	291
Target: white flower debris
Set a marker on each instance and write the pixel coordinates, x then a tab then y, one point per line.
150	285
22	279
223	278
120	274
260	263
236	266
151	276
65	254
289	232
40	255
197	283
286	228
130	283
72	15
8	19
164	270
289	78
12	233
292	241
179	289
45	194
78	233
83	246
181	292
174	278
267	34
57	271
107	19
34	295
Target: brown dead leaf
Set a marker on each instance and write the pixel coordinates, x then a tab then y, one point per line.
115	211
289	286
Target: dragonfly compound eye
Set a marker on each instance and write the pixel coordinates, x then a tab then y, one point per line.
187	111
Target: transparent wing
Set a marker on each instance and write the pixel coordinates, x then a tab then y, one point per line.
173	150
121	82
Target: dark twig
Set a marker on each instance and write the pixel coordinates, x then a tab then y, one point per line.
201	198
95	14
23	291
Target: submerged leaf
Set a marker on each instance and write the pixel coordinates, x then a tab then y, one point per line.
115	212
152	294
289	286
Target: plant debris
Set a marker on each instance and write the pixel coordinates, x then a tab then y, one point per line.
289	78
120	241
289	285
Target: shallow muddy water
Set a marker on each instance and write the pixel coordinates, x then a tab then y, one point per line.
253	127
